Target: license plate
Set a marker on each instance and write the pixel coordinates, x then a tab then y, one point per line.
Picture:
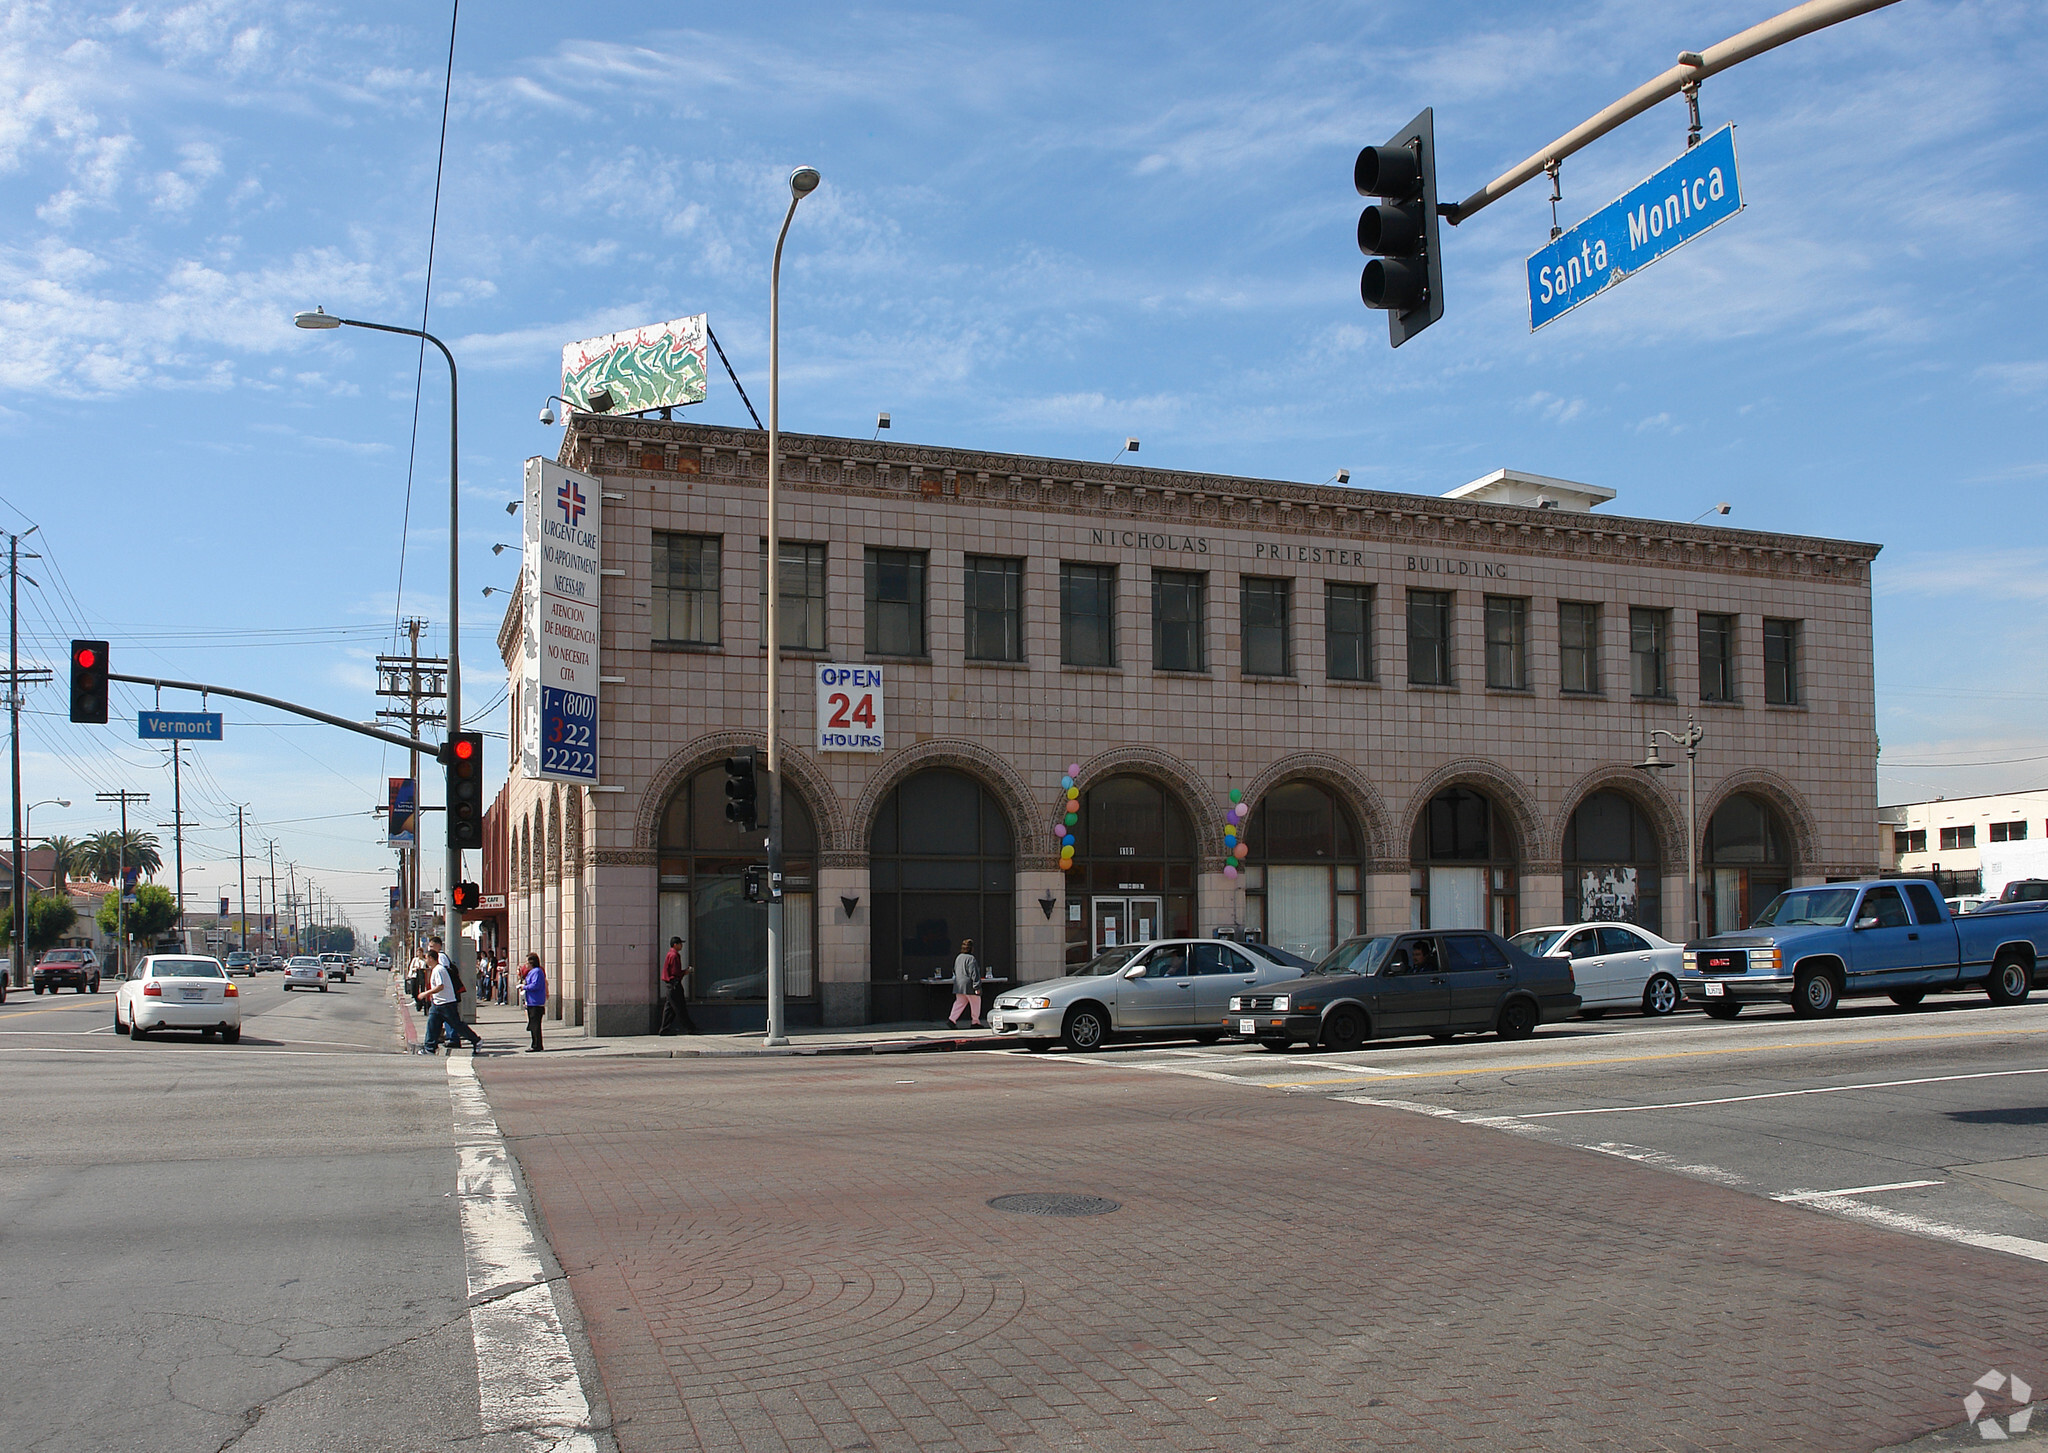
1244	1026
1715	991
193	994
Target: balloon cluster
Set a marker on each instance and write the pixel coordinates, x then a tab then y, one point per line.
1063	830
1234	849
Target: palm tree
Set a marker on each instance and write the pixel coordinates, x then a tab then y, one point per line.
105	853
72	859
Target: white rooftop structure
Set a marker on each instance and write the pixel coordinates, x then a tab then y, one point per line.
1532	491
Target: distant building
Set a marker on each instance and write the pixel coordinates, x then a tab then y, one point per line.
1970	844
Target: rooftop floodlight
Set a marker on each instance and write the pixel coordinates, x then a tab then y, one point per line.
1130	447
881	423
500	548
1342	476
600	402
804	181
512	506
318	318
1719	509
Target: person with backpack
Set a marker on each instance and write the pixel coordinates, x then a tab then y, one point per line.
443	996
966	985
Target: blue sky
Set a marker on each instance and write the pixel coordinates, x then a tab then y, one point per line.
1041	228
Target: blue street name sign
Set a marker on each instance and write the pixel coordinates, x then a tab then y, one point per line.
1664	211
183	726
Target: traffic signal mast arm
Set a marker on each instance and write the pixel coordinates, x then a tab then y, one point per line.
1696	67
432	749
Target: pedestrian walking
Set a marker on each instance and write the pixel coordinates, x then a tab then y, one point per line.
966	985
534	989
443	996
675	990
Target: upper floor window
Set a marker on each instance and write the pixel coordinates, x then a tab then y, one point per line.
1955	839
685	590
2009	832
895	602
1087	615
995	612
1781	663
1429	638
1507	642
1347	631
800	593
1910	840
1649	652
1177	607
1263	608
1578	645
1717	657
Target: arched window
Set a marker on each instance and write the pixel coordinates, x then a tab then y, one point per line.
1611	866
704	903
1134	867
1301	886
941	868
1462	857
1748	861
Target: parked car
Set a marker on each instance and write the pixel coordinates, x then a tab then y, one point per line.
179	991
383	961
66	968
240	963
1175	986
266	962
337	966
1614	965
1817	946
305	972
1439	984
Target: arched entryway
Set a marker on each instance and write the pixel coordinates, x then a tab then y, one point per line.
1463	855
942	866
1302	885
704	903
1748	856
1612	866
1134	867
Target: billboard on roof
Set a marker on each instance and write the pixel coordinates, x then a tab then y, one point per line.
653	367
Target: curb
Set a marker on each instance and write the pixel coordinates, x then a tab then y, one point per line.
878	1046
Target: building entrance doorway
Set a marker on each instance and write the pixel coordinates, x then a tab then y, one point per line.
1120	921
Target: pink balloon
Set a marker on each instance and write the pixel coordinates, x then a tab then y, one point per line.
1230	870
1073	769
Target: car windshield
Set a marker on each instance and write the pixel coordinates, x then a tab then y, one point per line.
185	969
1538	941
1822	907
305	963
1106	962
1355	956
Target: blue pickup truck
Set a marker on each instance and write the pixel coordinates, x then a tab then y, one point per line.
1816	946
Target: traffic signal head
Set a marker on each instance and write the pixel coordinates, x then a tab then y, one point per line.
1399	233
742	794
467	897
463	755
89	681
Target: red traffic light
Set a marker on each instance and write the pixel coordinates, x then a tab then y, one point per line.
87	657
464	749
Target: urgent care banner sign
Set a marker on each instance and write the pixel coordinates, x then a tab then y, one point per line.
563	591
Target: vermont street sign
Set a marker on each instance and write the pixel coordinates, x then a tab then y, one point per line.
1668	209
189	726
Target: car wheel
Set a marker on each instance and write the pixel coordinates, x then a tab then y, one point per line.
2009	982
287	988
1723	1008
231	1036
207	1035
1344	1030
95	986
1661	996
119	1027
1274	1046
1517	1020
1907	998
1208	1036
35	988
1086	1029
1813	995
136	1031
323	988
1592	1013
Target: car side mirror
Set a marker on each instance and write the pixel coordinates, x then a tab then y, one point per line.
1866	923
1136	971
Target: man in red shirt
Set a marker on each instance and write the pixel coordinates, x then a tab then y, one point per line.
675	990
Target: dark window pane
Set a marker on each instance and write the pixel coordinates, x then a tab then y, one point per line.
1507	641
1578	631
1717	657
1177	624
1781	663
1649	633
1088	615
1347	631
800	595
994	590
895	602
1263	610
686	589
1295	821
1429	637
1458	823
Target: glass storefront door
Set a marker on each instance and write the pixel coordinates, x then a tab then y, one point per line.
1120	921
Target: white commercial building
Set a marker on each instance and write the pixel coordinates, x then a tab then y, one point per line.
1971	844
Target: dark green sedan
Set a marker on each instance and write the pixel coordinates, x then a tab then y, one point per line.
1440	983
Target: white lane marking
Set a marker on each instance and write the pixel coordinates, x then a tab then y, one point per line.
223	1058
1777	1095
527	1386
1940	1230
1794	1197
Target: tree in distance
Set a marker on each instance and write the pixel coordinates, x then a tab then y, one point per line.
103	854
71	858
50	916
153	911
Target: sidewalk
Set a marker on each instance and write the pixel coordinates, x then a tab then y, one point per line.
504	1030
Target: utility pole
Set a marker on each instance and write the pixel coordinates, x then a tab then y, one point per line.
291	900
15	677
242	872
418	682
271	844
124	797
177	822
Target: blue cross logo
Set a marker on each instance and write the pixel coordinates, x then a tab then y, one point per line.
570	498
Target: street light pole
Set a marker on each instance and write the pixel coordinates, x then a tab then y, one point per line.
802	182
1690	740
319	319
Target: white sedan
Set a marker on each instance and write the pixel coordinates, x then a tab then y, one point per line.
179	991
305	972
1616	965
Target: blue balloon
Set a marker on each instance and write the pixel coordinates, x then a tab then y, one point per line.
1066	781
1067	841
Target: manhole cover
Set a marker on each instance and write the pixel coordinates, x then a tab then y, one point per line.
1054	1203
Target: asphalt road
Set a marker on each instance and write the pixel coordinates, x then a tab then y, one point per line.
1931	1121
256	1246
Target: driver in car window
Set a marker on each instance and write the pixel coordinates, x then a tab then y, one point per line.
1424	953
1168	963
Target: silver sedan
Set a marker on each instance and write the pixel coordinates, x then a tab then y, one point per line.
1615	965
1178	987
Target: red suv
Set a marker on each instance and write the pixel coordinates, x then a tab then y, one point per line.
78	968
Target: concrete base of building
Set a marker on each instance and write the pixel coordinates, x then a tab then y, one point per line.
843	1004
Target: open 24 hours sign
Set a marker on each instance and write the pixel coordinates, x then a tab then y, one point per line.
850	708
